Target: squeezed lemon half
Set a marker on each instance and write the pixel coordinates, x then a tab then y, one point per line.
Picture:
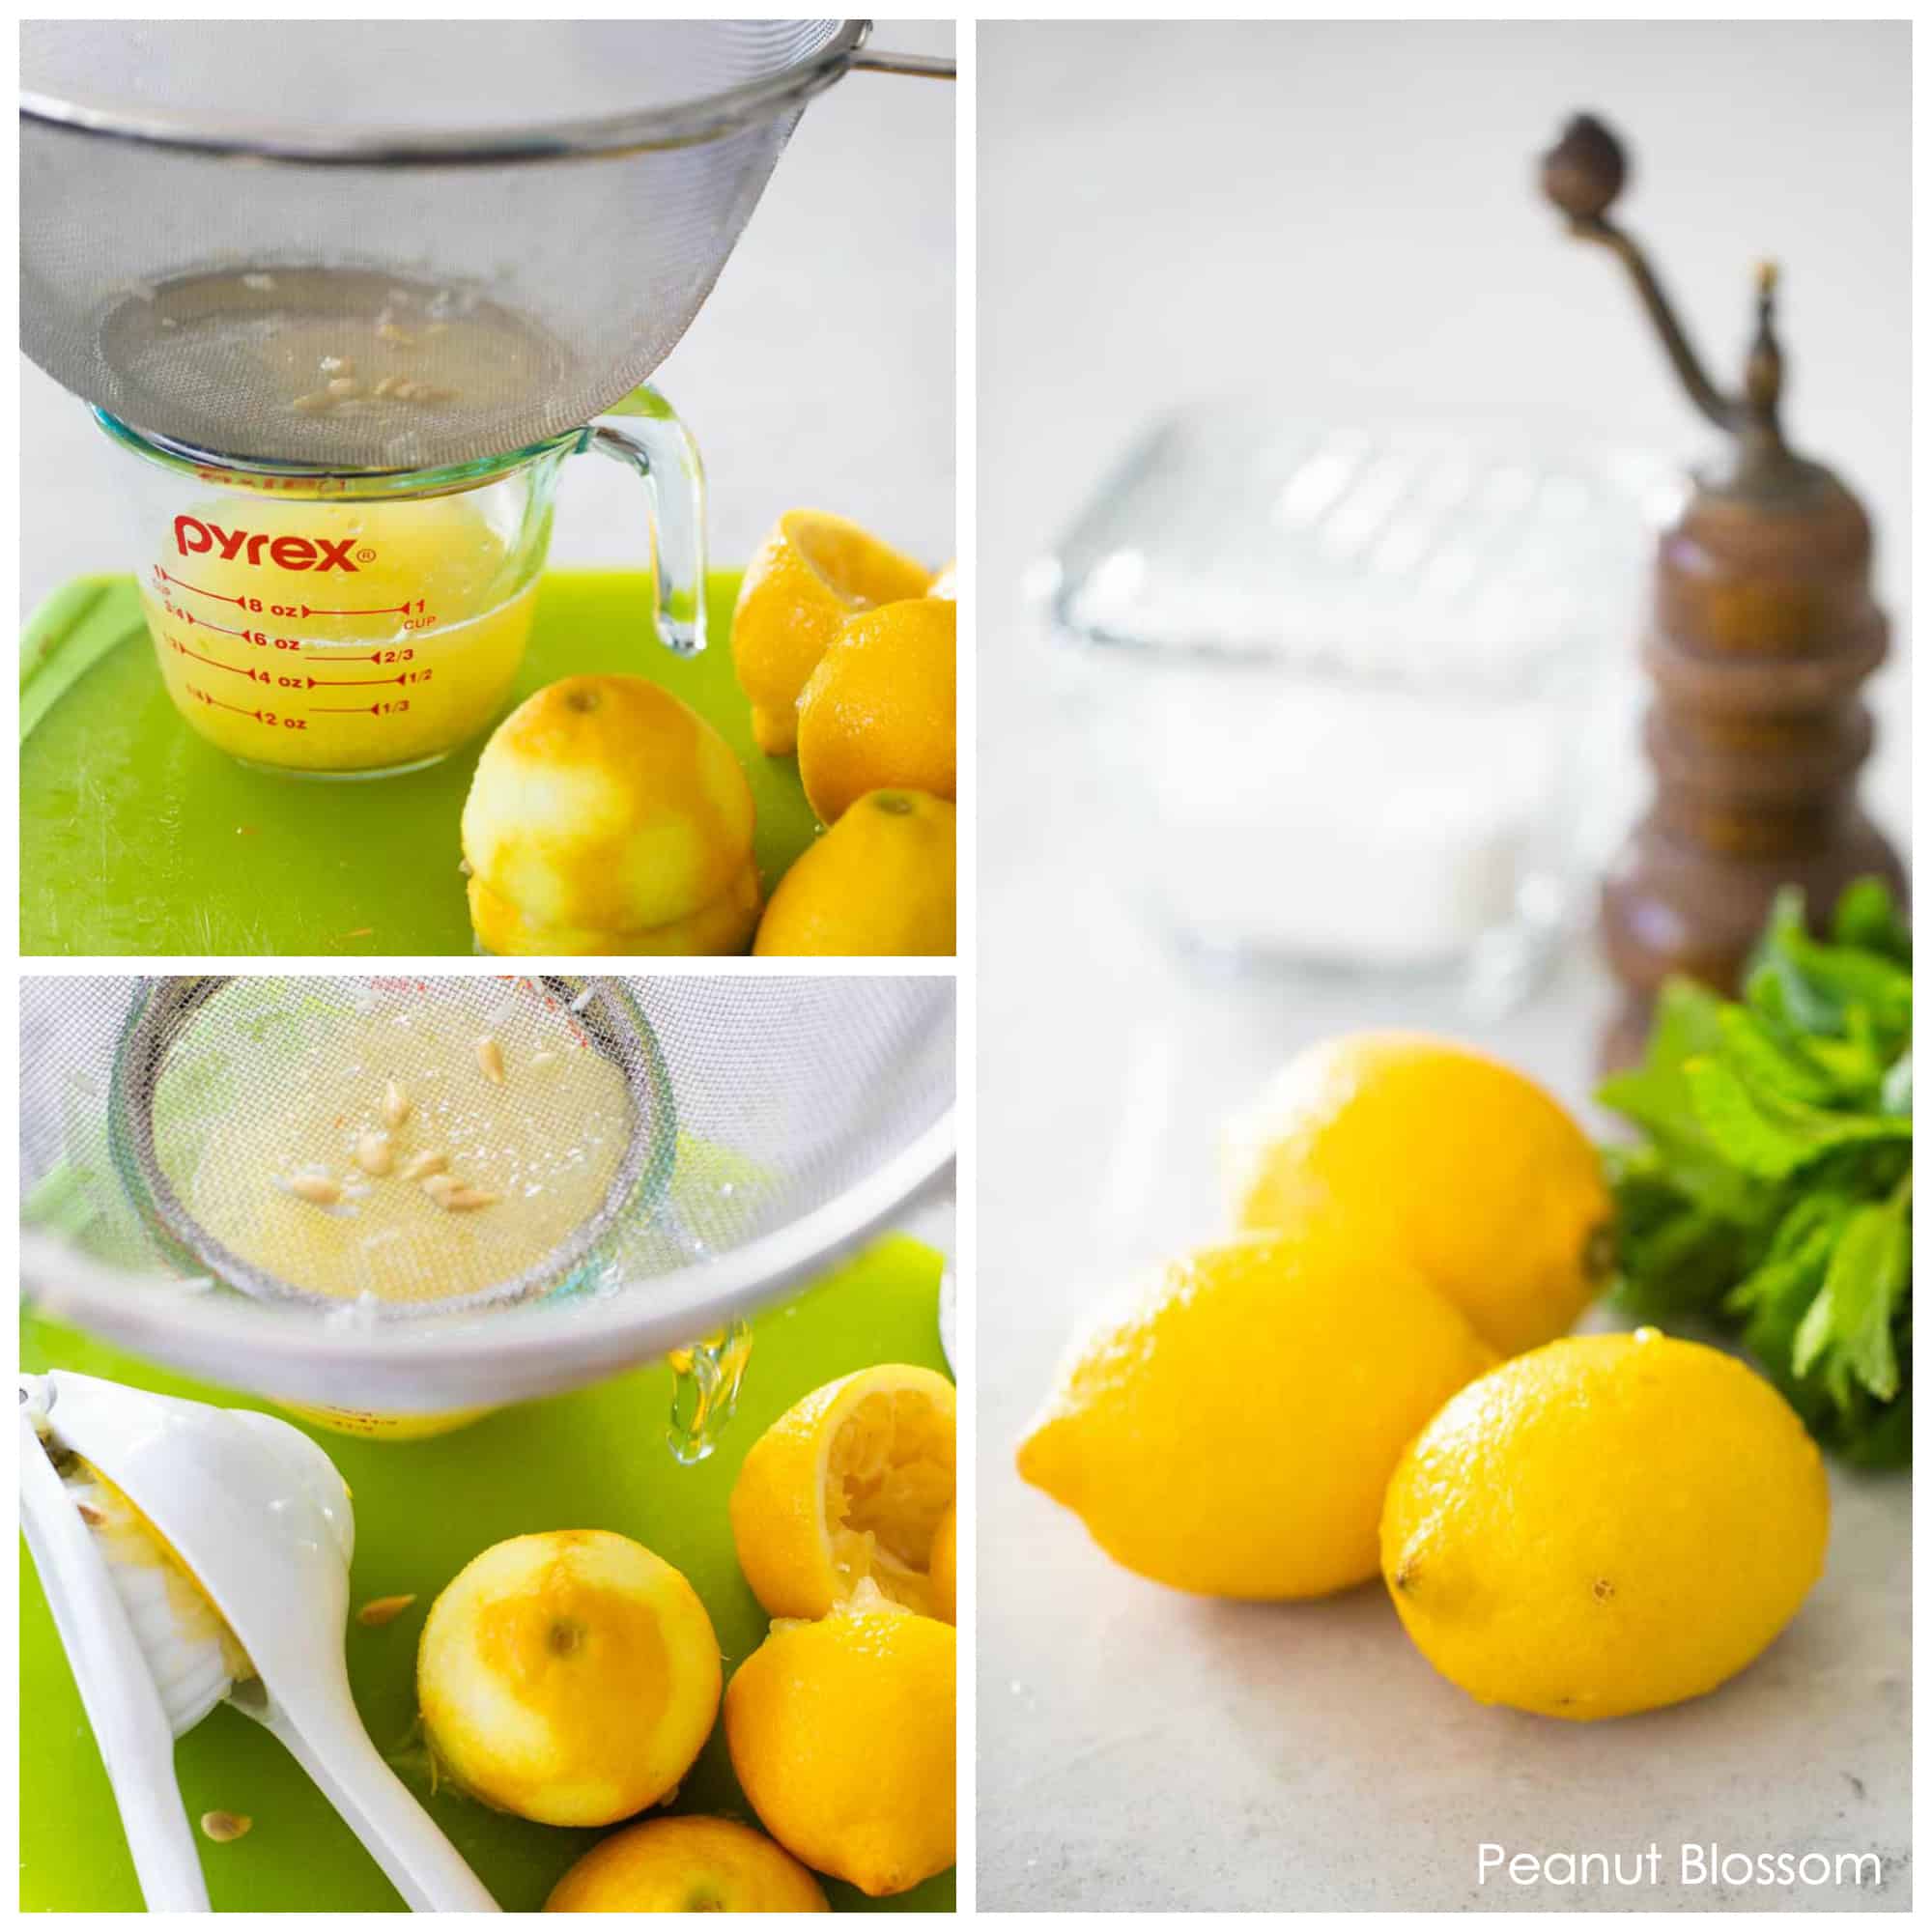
810	574
849	1487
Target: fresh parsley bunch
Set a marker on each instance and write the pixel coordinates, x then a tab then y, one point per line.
1770	1194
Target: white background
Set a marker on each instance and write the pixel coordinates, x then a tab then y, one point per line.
1348	211
818	374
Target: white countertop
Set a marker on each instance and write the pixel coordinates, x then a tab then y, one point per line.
1142	1750
1166	210
818	374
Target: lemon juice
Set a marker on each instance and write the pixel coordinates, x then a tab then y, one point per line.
410	1158
334	366
345	638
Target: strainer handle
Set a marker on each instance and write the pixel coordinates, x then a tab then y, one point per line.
922	67
653	442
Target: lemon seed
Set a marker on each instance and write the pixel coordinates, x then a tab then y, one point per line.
382	1611
401	337
373	1154
460	1199
317	1189
344	385
489	1058
421	1166
395	1105
313	405
91	1515
223	1827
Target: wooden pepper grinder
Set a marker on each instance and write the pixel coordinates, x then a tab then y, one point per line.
1760	632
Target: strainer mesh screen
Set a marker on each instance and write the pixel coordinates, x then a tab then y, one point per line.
195	294
264	1132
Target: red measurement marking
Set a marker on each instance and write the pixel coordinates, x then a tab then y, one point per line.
241	709
301	610
241	670
220	630
218	596
345	710
401	677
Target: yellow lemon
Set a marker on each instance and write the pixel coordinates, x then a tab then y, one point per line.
1468	1170
848	1486
718	927
687	1864
841	1735
1231	1425
882	881
606	816
878	712
810	575
570	1677
943	1566
1608	1525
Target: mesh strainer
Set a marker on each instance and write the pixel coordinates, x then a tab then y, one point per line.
529	212
231	1175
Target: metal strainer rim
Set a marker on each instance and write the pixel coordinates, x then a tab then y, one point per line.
680	125
332	482
583	1340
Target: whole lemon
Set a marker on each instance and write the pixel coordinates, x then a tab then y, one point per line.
606	816
570	1677
881	882
1468	1170
846	1488
1230	1427
841	1735
687	1864
1604	1525
810	574
878	712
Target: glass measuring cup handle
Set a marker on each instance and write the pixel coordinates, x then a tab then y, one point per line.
652	441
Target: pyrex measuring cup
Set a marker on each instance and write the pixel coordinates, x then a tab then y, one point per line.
356	624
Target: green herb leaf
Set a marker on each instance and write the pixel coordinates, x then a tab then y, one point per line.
1849	1325
1770	1190
1761	1060
1766	1135
1868	919
1895	1095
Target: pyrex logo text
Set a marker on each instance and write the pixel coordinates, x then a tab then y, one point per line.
194	538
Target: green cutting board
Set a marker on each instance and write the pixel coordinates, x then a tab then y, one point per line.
595	1459
139	836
